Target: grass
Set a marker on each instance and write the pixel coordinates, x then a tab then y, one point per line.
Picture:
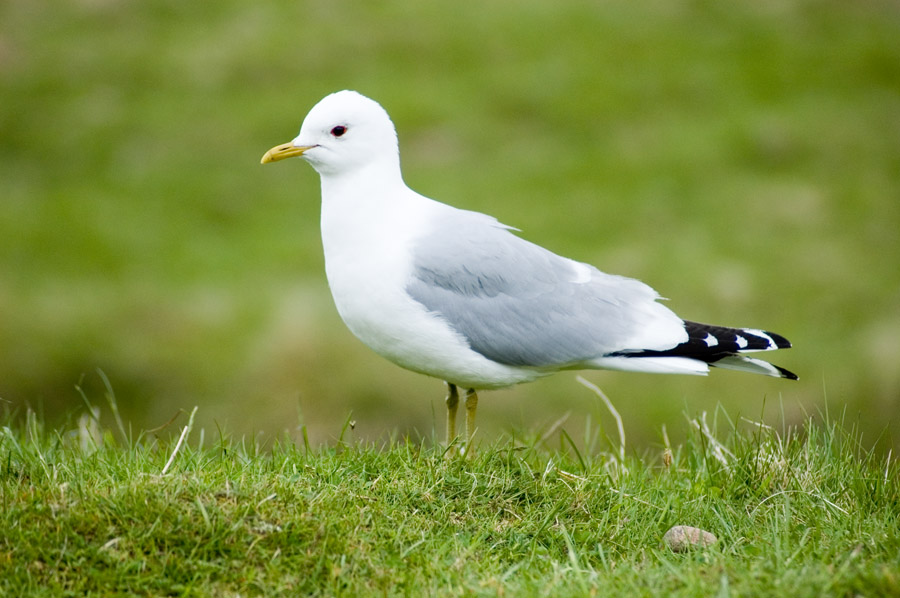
98	512
743	160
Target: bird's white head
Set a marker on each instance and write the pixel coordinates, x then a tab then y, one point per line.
344	132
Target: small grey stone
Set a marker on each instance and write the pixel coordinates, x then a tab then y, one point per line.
682	538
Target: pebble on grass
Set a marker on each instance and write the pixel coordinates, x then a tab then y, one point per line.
682	538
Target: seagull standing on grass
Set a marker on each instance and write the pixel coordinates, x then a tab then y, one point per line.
457	295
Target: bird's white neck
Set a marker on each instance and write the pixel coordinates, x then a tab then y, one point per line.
361	208
373	182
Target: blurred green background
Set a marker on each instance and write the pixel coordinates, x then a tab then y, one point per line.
743	159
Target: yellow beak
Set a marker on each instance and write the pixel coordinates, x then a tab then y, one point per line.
285	150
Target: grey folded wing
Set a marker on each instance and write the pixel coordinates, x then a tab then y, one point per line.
519	304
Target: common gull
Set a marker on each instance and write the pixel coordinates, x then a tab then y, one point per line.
456	295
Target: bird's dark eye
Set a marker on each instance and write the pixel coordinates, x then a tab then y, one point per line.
338	130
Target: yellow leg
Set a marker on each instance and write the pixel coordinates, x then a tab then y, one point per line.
471	406
452	404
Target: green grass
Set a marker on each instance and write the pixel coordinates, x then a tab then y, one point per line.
801	512
742	159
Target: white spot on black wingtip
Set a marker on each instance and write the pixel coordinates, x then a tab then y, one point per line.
710	340
741	341
771	344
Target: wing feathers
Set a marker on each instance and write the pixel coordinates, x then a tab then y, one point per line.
721	347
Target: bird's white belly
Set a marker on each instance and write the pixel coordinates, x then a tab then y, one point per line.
369	290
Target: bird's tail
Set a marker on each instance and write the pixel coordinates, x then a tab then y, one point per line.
722	347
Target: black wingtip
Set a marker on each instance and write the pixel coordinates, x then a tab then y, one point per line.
780	342
787	374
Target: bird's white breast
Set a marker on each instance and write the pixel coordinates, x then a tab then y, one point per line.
368	262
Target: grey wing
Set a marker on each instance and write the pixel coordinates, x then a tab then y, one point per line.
519	304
